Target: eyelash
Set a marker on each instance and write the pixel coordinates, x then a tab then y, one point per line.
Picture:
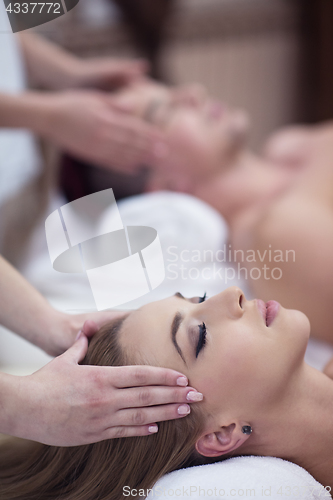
202	330
202	338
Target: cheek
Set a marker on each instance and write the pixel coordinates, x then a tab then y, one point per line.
245	371
231	370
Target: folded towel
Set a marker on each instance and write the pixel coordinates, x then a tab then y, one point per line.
241	478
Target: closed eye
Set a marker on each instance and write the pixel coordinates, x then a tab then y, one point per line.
195	300
202	339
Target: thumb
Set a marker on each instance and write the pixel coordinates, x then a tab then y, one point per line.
79	349
89	328
117	104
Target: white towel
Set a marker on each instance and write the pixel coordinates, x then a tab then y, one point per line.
241	478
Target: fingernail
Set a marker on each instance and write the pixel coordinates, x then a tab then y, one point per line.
182	381
79	335
184	409
194	396
153	428
160	150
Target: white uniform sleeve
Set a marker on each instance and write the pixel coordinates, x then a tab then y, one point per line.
19	157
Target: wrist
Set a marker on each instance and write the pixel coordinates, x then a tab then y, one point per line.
30	110
60	332
9	404
43	106
75	74
21	404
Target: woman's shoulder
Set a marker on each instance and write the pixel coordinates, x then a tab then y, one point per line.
296	147
287	147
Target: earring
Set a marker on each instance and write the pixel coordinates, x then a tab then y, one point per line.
246	429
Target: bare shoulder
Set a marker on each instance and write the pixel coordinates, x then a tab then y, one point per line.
288	147
293	146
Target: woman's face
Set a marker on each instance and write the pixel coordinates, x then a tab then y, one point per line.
223	345
202	133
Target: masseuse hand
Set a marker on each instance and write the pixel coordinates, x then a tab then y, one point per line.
90	126
106	73
66	404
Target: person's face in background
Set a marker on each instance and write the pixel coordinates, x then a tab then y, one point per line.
242	361
203	134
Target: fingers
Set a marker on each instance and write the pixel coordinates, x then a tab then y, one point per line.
108	73
77	352
135	376
138	142
89	328
128	118
143	416
130	142
130	431
156	395
128	70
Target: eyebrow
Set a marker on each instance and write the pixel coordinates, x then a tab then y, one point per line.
177	320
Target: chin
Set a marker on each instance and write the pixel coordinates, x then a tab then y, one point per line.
300	326
302	320
296	335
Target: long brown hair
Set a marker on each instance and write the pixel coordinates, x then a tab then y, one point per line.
99	471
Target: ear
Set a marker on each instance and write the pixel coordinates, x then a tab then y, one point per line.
225	440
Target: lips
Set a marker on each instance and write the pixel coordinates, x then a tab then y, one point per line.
272	308
268	310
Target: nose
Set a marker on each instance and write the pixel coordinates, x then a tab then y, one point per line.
230	302
236	300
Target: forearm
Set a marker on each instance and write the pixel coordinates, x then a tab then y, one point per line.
26	110
48	65
26	312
